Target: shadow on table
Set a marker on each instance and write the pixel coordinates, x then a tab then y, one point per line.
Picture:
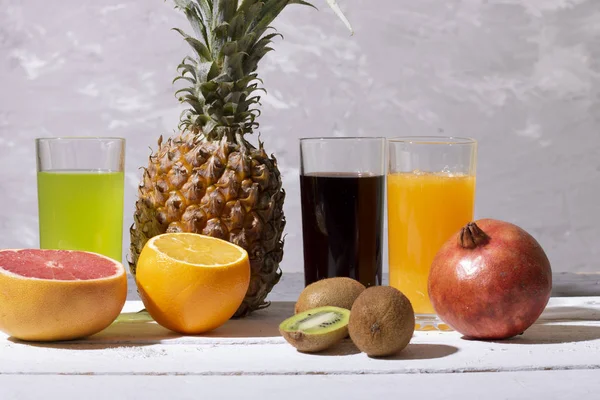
566	313
83	344
128	330
552	333
419	351
139	329
259	324
344	348
423	351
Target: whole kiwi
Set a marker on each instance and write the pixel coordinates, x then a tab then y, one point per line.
382	321
336	292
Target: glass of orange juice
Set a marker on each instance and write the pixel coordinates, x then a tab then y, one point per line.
430	196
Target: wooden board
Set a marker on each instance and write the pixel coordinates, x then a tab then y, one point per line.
566	337
137	358
546	385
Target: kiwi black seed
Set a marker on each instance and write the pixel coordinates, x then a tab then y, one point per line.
336	292
316	329
382	321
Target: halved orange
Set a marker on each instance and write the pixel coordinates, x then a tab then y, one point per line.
192	283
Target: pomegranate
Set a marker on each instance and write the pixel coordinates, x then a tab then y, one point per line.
490	281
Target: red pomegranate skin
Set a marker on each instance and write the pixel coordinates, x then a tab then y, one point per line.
495	290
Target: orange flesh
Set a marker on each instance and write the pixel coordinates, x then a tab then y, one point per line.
189	249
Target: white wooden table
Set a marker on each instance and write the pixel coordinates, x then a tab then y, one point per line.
557	358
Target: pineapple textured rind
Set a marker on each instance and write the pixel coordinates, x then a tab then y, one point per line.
209	179
219	189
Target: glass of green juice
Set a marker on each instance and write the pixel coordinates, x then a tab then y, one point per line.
80	194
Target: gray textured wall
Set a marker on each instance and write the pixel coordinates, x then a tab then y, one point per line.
521	76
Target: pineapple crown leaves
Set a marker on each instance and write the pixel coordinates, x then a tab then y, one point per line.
229	39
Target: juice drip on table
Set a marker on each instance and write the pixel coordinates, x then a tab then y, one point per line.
424	210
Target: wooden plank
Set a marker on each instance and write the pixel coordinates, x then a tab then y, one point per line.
262	326
565	284
547	385
424	355
576	284
567	337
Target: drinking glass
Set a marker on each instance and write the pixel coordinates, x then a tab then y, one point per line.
80	194
431	195
342	186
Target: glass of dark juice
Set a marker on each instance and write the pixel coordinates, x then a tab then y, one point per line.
342	182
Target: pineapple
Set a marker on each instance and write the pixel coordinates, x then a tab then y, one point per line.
208	178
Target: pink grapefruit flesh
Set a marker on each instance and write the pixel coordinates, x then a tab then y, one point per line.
48	295
62	265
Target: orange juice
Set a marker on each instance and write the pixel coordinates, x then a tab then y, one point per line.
424	210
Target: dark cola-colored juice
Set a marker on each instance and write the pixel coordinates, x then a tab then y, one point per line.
342	226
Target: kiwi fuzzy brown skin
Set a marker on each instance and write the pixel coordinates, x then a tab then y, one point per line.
314	342
311	343
382	321
335	292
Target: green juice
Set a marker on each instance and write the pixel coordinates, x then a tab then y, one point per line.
81	210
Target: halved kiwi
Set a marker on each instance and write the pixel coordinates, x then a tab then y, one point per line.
316	329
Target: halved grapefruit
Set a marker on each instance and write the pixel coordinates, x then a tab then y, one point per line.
48	295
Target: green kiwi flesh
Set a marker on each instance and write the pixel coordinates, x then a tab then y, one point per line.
316	329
